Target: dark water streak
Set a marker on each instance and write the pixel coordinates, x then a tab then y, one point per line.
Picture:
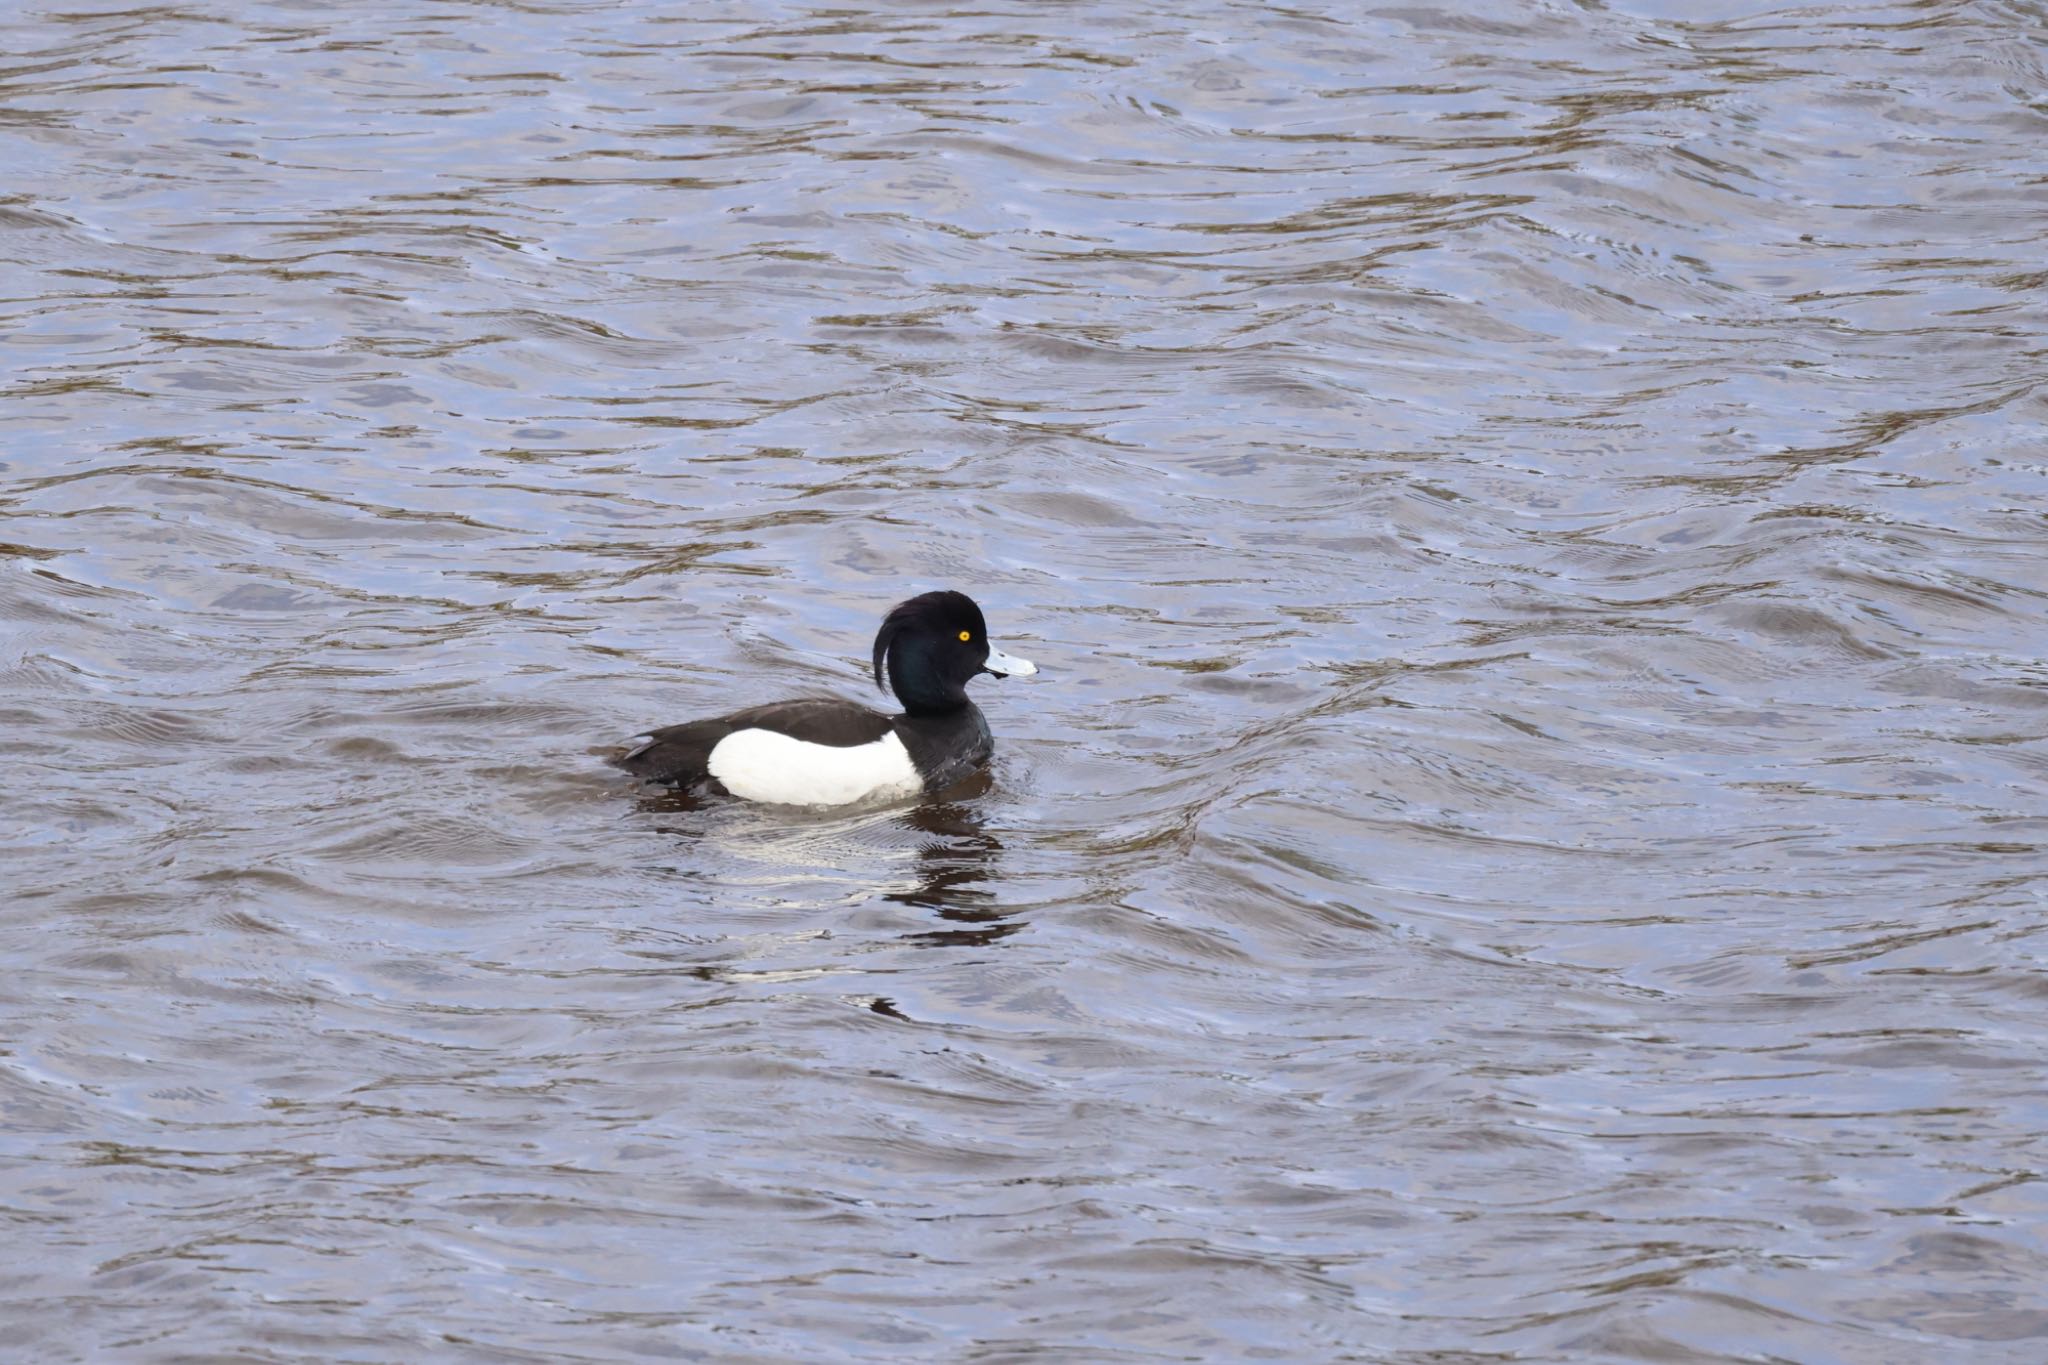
1529	844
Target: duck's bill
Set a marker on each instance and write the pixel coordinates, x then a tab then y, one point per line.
1008	665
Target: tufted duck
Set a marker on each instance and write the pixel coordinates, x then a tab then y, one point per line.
822	751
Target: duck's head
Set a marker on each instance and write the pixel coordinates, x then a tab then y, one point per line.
931	646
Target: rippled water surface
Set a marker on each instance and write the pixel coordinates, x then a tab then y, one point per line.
1529	842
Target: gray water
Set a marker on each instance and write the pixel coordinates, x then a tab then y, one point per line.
1528	844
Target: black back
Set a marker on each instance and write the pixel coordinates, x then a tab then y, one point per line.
680	754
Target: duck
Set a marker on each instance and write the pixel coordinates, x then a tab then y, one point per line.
828	751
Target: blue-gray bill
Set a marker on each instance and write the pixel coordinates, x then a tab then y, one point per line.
1008	665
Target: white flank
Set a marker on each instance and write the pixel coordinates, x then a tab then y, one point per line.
765	765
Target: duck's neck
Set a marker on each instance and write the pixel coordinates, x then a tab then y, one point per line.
931	701
922	689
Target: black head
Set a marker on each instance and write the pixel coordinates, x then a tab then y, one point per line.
932	645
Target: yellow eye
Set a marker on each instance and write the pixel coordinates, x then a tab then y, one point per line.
966	635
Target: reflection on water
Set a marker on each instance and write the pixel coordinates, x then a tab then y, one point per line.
952	866
934	855
1535	849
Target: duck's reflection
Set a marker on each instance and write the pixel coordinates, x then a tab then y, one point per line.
954	864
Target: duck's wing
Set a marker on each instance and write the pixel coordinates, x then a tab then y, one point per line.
681	754
677	754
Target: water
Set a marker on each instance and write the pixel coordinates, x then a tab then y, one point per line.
1528	843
